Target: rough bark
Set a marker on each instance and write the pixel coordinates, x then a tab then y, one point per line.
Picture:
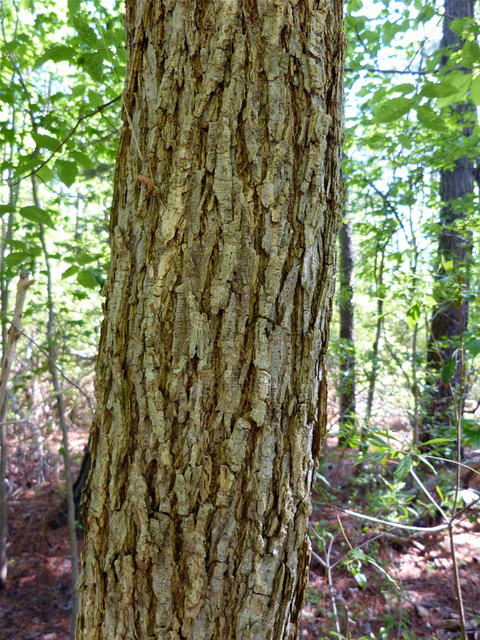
454	245
210	381
346	390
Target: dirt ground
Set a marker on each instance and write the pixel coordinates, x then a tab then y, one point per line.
416	600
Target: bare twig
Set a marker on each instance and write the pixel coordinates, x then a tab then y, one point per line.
389	523
428	494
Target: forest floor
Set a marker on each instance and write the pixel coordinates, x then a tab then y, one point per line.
404	588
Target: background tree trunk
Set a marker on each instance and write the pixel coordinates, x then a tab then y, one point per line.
7	360
347	345
210	381
454	245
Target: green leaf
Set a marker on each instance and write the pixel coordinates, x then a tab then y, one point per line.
93	64
448	370
433	441
83	258
426	13
46	142
461	26
87	279
74	8
34	251
403	467
354	5
45	173
85	32
413	314
439	89
427	116
57	53
6	208
35	214
447	264
7	95
470	53
392	109
475	90
461	81
78	90
28	163
82	158
390	30
94	98
16	244
405	87
15	258
69	272
361	579
471	431
10	46
473	347
67	171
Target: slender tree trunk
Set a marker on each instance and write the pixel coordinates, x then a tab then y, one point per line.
7	230
347	345
454	246
210	380
8	355
61	413
372	378
60	517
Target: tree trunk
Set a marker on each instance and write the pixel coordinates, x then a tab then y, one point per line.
346	390
210	381
7	360
450	319
373	375
58	518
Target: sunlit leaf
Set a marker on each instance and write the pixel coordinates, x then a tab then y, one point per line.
56	53
69	272
67	171
47	142
87	279
83	258
439	89
403	467
45	173
36	214
470	53
361	579
475	90
427	116
17	257
392	109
